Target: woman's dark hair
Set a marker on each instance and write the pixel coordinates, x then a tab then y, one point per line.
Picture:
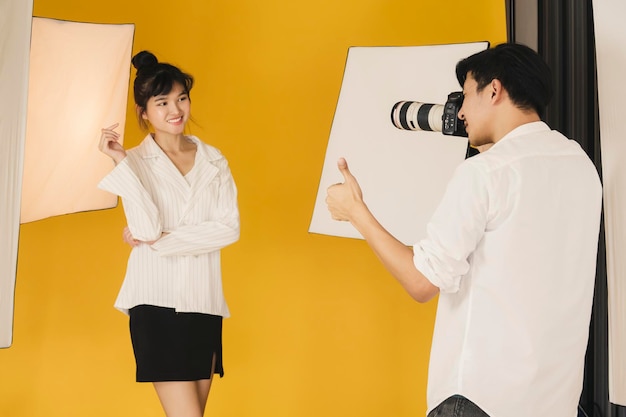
521	71
155	78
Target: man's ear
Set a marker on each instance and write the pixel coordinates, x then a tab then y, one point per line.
497	91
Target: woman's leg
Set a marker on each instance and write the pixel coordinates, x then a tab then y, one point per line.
179	398
203	387
184	398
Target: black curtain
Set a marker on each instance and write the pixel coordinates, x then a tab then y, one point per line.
566	41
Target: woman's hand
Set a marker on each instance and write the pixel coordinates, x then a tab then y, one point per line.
109	144
132	242
129	239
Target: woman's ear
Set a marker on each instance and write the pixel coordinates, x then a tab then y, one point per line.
141	112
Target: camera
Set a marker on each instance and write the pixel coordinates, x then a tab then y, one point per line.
414	115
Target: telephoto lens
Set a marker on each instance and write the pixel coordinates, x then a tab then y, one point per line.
415	115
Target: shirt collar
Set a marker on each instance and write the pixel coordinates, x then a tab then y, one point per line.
152	150
526	129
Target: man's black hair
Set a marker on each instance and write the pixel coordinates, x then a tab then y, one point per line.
521	71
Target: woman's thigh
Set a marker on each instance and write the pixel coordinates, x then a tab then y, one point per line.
179	398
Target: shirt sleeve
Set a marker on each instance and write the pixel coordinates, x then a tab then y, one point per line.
142	215
455	229
210	235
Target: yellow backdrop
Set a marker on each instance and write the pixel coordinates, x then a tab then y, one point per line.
318	327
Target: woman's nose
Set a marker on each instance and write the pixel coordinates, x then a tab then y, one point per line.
175	108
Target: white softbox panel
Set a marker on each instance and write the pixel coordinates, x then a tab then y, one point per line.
79	75
62	82
15	24
403	173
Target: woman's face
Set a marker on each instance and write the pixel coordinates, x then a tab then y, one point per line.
168	113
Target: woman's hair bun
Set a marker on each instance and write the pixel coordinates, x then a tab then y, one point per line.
144	59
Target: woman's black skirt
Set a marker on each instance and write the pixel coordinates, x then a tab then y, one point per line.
171	346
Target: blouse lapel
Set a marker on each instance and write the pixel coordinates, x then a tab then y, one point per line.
162	166
204	164
204	171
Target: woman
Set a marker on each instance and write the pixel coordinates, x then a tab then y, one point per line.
180	202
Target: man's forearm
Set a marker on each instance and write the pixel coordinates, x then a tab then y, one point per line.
394	255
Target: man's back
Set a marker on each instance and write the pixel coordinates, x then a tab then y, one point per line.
512	248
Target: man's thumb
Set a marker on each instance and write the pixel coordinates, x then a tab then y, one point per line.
342	164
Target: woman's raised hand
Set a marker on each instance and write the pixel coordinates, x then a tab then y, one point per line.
109	144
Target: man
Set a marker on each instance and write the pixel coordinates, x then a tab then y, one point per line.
511	250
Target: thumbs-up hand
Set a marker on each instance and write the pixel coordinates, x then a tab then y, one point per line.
345	198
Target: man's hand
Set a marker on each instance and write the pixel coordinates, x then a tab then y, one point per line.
344	199
345	202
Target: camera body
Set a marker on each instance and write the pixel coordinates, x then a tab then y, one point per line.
451	124
415	115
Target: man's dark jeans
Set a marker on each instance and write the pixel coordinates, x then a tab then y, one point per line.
457	406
